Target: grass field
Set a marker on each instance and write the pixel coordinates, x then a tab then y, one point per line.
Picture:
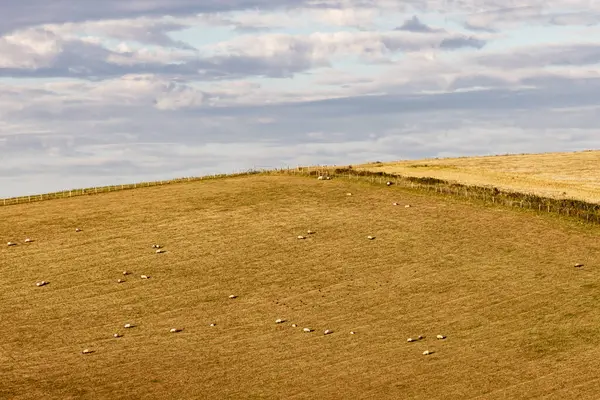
574	175
521	321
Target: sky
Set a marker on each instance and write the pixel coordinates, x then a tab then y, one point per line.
107	92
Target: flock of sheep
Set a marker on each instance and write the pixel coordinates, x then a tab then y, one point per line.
159	250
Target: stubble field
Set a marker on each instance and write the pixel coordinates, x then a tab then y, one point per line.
521	322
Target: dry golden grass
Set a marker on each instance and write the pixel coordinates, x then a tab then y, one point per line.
520	321
574	175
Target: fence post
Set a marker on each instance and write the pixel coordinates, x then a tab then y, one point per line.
29	198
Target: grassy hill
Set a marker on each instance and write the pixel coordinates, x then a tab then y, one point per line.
520	320
574	175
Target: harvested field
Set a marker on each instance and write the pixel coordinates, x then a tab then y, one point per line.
520	321
560	175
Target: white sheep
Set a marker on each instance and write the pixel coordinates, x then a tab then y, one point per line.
156	246
126	272
160	251
327	332
414	340
175	330
328	178
213	324
307	330
145	276
441	337
389	183
233	296
348	194
320	177
42	283
394	204
370	237
407	206
120	281
427	352
87	351
279	321
310	232
578	265
294	326
117	335
352	333
77	230
11	244
128	326
301	237
28	240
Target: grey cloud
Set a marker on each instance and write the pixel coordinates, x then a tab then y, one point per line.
576	55
457	43
415	25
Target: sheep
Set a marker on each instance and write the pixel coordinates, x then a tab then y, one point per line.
310	232
28	240
370	237
126	272
307	330
294	326
327	332
300	237
394	204
87	351
145	276
414	340
407	206
441	337
389	183
156	246
120	280
175	330
578	265
352	333
127	326
160	251
213	324
328	178
348	194
232	296
42	283
279	321
427	352
117	335
320	177
11	244
77	230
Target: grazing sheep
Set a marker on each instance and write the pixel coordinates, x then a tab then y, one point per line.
28	240
307	330
352	333
327	332
213	324
320	177
394	204
427	352
120	281
578	265
414	340
294	326
77	230
144	276
160	251
370	237
310	232
301	237
42	283
328	178
117	335
389	183
128	326
87	351
175	330
407	206
232	296
126	272
441	337
348	194
156	246
11	244
279	321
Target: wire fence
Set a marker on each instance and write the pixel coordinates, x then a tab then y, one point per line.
579	209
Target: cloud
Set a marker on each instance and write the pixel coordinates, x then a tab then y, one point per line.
415	25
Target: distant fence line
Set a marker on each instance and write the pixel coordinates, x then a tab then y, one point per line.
578	209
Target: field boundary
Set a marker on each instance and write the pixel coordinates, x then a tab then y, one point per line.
572	208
